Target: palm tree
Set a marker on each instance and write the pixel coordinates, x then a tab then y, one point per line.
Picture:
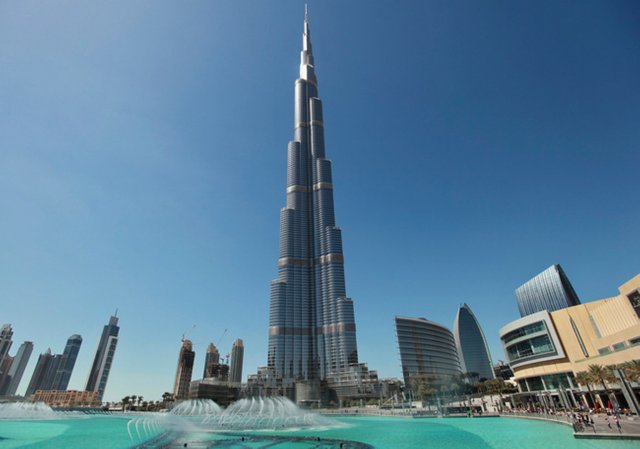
604	374
125	402
496	386
167	397
140	398
133	400
584	378
632	370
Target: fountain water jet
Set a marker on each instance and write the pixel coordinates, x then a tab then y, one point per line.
265	414
196	407
27	410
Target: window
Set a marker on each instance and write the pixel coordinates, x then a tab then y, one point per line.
605	350
634	299
619	346
527	348
579	337
525	330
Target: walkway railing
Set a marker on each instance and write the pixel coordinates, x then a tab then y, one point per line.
557	417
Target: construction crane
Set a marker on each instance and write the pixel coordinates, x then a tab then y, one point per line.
184	334
221	337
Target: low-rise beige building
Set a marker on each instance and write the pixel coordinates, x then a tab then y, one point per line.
547	349
67	398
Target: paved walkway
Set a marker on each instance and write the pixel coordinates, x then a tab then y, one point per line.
629	426
604	426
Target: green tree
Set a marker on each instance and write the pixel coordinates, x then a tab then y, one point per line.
604	374
422	386
125	402
584	378
632	370
167	397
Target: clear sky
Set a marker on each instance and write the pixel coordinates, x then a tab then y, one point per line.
143	161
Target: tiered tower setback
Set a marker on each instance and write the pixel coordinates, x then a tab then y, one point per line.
312	331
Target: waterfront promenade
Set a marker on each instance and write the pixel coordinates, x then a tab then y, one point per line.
603	427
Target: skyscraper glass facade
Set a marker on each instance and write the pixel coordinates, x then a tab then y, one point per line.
312	332
67	362
471	344
18	366
5	340
39	377
237	356
550	290
103	359
426	348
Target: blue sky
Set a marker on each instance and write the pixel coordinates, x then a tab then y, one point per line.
143	162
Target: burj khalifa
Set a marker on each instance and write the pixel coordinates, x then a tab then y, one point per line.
312	331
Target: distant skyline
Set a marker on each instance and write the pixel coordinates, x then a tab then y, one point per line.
143	157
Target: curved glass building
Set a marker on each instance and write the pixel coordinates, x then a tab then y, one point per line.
312	331
472	346
426	348
550	290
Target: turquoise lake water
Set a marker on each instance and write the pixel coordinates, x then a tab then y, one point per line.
382	433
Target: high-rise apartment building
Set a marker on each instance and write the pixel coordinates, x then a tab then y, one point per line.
237	355
5	341
212	359
39	376
312	331
473	350
103	359
67	362
426	349
17	368
549	290
5	367
184	371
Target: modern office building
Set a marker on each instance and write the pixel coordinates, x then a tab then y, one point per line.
103	360
547	349
67	362
237	355
5	367
426	349
549	290
17	368
40	373
312	331
5	340
211	359
472	347
184	370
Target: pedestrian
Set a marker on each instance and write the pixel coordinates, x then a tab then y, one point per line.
618	424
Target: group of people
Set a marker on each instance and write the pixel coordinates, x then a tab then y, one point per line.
583	420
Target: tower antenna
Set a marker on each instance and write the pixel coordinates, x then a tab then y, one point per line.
306	13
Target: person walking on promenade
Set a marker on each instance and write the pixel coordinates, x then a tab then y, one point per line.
606	418
618	424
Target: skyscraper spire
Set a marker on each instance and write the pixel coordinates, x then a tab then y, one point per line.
311	325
